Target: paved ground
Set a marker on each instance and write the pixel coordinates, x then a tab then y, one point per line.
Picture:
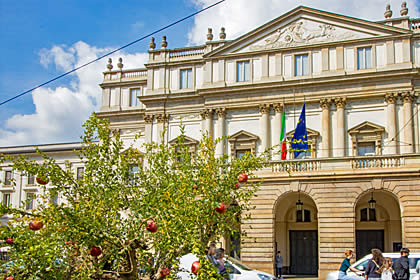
300	277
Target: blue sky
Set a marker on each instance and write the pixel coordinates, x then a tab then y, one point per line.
42	39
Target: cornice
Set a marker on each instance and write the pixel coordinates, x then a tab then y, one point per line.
112	83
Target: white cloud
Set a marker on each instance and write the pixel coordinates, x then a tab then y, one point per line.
242	16
60	112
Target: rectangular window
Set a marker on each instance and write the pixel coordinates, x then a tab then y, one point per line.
6	199
364	58
241	153
30	201
134	169
366	149
242	71
301	65
134	94
54	198
8	178
186	78
31	179
80	171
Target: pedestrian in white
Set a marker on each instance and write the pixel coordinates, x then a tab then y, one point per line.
386	269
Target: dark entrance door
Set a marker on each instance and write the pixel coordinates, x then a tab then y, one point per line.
367	240
303	252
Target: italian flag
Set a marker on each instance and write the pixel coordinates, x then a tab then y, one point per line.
283	136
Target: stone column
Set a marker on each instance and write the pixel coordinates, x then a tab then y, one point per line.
416	123
407	133
220	130
325	130
341	131
391	124
265	126
161	119
276	129
148	119
207	116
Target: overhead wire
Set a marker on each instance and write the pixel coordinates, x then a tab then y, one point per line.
109	53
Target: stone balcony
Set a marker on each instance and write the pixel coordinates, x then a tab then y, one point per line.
125	75
353	166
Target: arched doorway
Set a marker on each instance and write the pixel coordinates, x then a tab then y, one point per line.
378	223
296	233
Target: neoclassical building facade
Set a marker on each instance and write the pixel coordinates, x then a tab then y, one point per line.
356	188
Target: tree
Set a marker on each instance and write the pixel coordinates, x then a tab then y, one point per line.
132	210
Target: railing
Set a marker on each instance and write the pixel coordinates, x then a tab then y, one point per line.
346	163
125	74
184	52
415	24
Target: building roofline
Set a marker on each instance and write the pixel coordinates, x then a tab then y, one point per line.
55	147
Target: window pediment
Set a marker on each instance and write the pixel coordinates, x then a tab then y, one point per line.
367	128
188	141
243	136
309	132
242	141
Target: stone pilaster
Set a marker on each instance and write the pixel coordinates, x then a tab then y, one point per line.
325	130
148	119
264	126
207	116
276	129
391	123
161	119
407	133
220	130
341	136
416	122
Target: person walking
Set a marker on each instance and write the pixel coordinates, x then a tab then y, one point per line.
345	265
279	265
401	266
386	269
373	267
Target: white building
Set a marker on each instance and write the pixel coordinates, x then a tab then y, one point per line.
360	82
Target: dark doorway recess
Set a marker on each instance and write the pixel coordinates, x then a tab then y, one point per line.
367	240
303	252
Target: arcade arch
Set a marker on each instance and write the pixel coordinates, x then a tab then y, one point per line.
296	233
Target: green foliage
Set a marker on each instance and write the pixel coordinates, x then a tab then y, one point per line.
109	208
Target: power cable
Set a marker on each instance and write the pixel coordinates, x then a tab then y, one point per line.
114	51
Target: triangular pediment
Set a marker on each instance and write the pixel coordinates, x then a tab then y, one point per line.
366	127
309	132
306	26
187	141
243	136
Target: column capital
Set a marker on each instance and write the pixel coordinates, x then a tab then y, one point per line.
340	102
148	118
162	118
325	103
407	96
278	107
206	114
391	97
264	108
221	112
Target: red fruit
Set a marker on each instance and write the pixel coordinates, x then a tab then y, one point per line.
237	185
95	251
195	187
165	272
151	226
68	242
9	241
242	178
35	225
10	278
221	209
42	180
195	266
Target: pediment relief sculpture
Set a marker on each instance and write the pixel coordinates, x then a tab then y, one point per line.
304	32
